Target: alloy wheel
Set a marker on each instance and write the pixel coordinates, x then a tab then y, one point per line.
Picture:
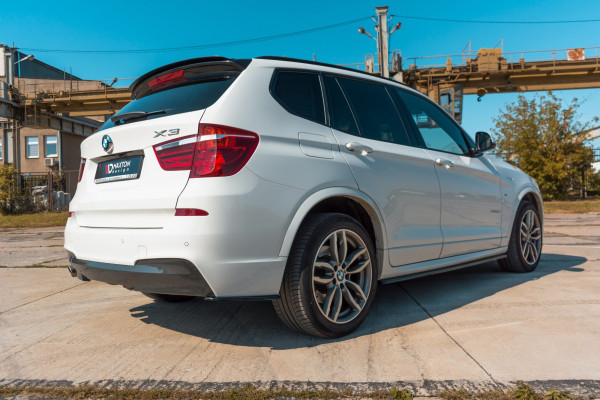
531	237
341	276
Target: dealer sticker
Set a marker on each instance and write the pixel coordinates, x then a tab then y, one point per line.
120	169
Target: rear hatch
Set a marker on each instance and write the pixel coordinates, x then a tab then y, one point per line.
123	183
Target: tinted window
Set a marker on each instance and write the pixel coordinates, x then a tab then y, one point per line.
178	100
339	111
300	94
376	114
436	128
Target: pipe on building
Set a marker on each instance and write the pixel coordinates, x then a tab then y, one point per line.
60	156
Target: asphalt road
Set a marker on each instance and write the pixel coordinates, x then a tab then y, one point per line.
474	328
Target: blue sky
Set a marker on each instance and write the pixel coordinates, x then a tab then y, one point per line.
129	25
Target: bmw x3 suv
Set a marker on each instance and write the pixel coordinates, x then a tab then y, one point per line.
298	182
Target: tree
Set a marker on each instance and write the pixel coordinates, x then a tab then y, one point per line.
546	140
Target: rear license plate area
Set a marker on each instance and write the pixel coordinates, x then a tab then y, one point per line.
119	169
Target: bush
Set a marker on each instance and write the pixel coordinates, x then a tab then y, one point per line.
13	198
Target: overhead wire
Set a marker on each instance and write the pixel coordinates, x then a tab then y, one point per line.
476	21
200	46
290	34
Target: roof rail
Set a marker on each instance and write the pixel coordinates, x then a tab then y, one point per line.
298	60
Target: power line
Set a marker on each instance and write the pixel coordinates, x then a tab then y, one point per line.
577	21
201	46
290	34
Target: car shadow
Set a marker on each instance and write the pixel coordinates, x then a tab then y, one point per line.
255	324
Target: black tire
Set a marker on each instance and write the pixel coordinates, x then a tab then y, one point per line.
515	261
168	298
302	291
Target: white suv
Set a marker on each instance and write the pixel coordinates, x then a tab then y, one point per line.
292	181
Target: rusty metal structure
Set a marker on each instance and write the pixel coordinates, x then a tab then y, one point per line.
445	79
495	71
77	103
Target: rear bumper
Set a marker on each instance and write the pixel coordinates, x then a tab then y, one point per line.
235	248
163	275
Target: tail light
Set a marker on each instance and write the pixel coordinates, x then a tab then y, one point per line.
176	155
167	79
217	150
81	167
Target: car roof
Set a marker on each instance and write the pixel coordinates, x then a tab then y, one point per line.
240	64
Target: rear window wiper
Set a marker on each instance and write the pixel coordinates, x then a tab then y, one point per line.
128	116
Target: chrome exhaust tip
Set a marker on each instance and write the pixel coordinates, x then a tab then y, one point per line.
72	271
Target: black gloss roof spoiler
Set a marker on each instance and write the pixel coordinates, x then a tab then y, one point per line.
219	63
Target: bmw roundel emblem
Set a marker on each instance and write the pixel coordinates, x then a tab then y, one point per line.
107	143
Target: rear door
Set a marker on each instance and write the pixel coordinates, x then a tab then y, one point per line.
399	177
470	185
123	184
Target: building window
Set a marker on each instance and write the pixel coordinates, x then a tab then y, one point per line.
32	147
1	150
50	146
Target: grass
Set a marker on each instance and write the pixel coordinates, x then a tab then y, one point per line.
37	220
249	392
95	392
572	207
37	266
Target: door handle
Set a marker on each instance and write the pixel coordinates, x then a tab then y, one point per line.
442	162
364	150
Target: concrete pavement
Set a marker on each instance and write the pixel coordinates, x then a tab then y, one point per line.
474	328
35	246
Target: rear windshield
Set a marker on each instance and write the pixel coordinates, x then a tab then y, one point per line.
177	100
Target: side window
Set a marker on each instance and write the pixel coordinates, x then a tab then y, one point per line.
339	111
436	128
300	94
376	115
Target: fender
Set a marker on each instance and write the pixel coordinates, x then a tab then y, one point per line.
527	189
538	200
321	195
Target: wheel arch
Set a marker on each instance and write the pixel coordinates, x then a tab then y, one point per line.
345	201
529	194
526	194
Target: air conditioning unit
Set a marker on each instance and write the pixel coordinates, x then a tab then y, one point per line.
49	162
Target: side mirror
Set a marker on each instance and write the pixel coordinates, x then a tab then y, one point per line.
484	142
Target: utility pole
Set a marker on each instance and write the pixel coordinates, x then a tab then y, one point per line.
382	41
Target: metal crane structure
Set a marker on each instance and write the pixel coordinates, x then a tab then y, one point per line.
445	79
494	71
490	71
13	104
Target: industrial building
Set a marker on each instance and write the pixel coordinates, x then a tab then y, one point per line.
53	146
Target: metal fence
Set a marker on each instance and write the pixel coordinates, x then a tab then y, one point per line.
34	191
